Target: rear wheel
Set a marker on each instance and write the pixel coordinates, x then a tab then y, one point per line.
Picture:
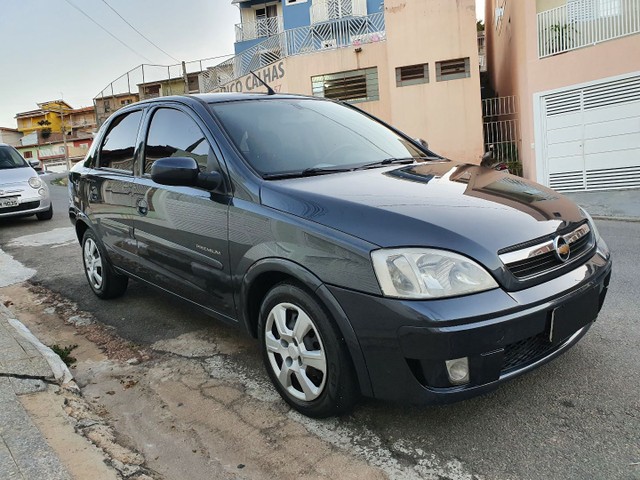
304	353
102	278
46	215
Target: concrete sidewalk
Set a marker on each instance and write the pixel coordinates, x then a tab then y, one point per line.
24	368
610	205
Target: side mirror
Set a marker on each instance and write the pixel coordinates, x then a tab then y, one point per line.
35	164
183	172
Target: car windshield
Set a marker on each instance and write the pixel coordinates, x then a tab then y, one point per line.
10	158
281	137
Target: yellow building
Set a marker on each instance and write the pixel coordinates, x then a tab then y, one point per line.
36	120
49	117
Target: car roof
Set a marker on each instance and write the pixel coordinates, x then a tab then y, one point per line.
223	97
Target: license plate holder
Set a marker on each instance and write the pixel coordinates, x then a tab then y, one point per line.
8	202
567	319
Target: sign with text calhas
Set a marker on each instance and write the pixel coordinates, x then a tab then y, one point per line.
273	75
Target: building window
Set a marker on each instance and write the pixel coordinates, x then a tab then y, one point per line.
125	102
353	86
453	69
412	75
28	154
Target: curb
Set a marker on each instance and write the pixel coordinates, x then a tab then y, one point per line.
616	219
60	371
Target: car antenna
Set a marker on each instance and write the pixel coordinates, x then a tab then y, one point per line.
270	91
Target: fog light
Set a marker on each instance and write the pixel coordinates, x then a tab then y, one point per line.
458	370
41	192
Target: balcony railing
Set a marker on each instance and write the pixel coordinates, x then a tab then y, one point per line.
351	31
582	23
325	10
264	27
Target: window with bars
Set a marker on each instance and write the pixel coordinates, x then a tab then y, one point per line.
353	86
453	69
412	75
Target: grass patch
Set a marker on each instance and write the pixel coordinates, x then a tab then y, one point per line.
64	353
62	182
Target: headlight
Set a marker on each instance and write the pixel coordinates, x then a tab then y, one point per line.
601	244
35	182
427	273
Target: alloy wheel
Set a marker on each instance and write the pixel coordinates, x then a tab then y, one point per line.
295	351
93	263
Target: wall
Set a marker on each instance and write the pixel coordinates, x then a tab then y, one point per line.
297	15
10	137
446	114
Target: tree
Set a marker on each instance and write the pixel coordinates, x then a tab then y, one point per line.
480	26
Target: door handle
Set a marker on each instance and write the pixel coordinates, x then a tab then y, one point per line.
143	207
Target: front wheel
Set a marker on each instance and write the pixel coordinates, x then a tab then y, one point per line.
102	278
304	353
46	215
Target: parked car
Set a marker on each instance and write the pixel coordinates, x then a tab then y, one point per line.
363	262
22	192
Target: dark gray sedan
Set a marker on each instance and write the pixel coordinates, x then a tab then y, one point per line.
363	262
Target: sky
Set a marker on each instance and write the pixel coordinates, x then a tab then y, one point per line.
50	50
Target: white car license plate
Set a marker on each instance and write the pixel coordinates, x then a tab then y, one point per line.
8	202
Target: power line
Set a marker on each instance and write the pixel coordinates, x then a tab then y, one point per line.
107	31
138	31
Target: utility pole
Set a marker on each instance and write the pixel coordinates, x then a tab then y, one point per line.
186	78
64	140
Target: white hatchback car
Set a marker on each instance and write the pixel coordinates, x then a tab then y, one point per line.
22	192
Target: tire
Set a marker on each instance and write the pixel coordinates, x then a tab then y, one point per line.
46	215
102	278
304	353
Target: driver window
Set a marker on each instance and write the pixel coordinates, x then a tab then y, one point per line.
173	133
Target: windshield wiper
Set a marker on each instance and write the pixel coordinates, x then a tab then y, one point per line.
387	161
307	172
396	161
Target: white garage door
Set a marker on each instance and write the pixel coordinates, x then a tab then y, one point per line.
592	136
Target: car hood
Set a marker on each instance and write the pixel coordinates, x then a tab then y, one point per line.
465	208
10	176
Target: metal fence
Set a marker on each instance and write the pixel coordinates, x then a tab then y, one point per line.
262	27
333	34
502	130
582	23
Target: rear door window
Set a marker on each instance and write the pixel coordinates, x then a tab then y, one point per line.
119	145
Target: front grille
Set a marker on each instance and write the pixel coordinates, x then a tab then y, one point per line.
525	352
542	258
21	208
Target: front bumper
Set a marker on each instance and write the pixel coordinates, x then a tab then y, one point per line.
27	206
503	334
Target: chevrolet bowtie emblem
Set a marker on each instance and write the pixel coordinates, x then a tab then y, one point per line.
562	249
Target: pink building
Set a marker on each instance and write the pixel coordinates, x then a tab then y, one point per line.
574	68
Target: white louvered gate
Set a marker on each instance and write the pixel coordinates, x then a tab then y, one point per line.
592	136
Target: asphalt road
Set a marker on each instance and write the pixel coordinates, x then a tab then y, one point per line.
575	418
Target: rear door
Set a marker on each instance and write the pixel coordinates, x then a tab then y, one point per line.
182	232
109	186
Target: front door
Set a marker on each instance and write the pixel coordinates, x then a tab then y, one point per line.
182	232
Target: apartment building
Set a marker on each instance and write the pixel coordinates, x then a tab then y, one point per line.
574	68
412	63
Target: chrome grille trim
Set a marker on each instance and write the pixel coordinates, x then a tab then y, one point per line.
545	247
